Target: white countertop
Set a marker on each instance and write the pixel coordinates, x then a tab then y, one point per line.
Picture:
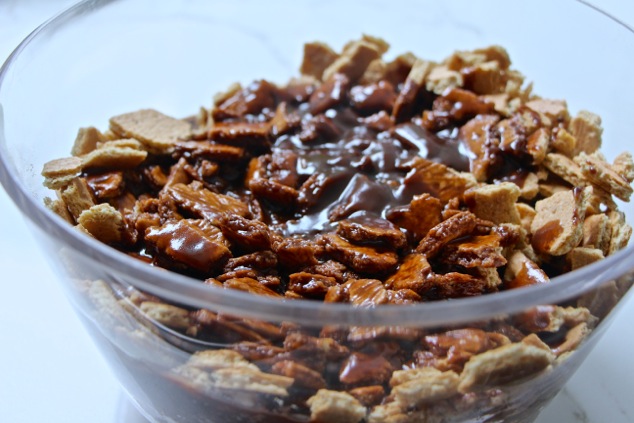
51	372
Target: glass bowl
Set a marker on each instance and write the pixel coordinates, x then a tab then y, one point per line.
102	58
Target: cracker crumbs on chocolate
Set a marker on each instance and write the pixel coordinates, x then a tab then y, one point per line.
370	181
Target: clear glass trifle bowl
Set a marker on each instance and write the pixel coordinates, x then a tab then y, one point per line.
192	351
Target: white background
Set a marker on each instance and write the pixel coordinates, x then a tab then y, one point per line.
51	372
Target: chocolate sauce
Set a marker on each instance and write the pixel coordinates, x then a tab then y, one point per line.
443	147
359	168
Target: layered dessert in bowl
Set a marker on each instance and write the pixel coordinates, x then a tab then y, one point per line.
380	237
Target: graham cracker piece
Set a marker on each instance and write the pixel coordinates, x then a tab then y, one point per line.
317	57
485	78
157	132
501	365
374	73
59	208
597	232
426	389
390	412
166	314
120	154
599	172
441	78
515	87
501	103
573	339
196	379
252	380
563	142
403	376
530	187
566	169
595	202
527	214
555	110
328	406
537	145
353	61
398	69
221	96
405	102
59	182
624	166
620	231
219	359
494	202
587	130
87	140
77	197
460	59
379	43
102	221
495	53
420	70
582	256
60	172
558	225
466	59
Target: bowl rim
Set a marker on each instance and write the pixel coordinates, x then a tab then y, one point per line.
192	292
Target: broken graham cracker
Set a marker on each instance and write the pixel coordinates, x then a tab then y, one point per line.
317	57
328	406
166	314
587	130
77	197
600	173
558	225
62	167
624	166
582	256
426	389
156	131
620	231
102	221
565	168
505	364
87	140
495	202
353	60
218	359
596	232
119	154
251	379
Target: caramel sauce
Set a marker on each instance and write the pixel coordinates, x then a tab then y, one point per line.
529	274
106	185
187	244
545	236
